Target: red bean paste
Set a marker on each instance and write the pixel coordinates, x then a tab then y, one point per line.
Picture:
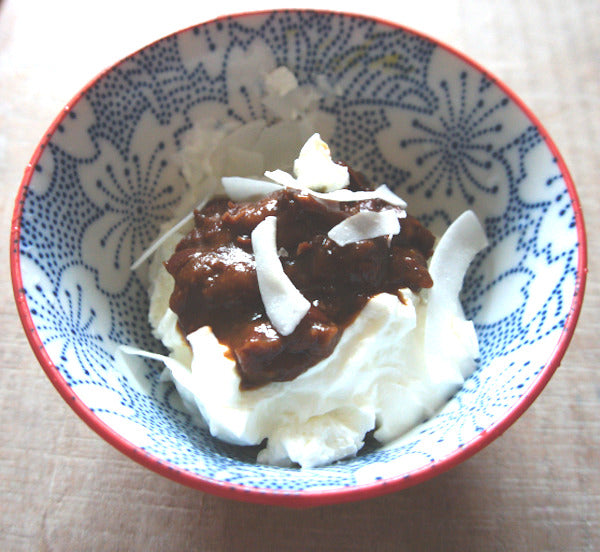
216	283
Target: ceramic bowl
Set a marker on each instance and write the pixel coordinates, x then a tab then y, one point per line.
408	111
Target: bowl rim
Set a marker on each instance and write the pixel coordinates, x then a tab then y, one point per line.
298	499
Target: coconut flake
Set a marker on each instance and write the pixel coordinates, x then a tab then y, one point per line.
280	81
365	225
170	363
284	304
283	178
164	237
315	169
292	105
453	254
174	371
342	195
383	192
285	98
345	195
451	347
247	189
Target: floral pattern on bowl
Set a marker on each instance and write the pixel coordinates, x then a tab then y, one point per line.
408	112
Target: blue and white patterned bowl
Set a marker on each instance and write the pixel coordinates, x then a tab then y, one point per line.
410	112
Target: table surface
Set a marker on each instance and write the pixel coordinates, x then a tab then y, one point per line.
535	488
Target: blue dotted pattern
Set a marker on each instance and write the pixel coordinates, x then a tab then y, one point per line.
444	138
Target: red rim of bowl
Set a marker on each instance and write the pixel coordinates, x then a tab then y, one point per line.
299	498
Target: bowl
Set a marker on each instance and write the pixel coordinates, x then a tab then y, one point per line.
407	110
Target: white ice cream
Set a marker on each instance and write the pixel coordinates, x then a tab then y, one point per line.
376	378
396	364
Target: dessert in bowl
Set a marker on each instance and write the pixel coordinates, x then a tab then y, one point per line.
399	107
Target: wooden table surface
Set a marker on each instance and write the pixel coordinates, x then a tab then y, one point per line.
535	488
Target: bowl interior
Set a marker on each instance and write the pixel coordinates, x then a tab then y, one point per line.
407	112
